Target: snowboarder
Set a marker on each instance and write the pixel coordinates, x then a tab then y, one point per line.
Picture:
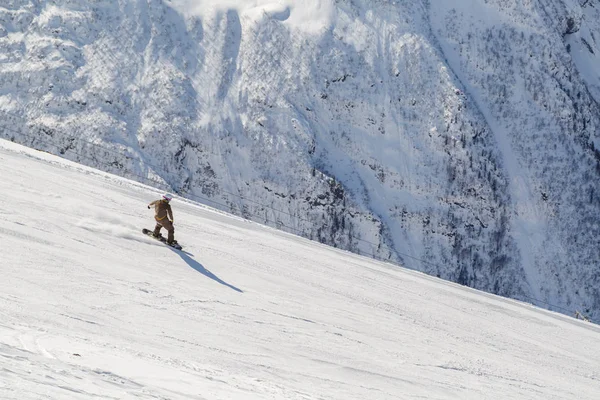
164	217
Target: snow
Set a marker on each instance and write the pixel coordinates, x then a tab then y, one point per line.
90	307
586	52
455	138
528	224
310	16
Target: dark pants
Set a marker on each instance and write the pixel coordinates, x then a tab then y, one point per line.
168	225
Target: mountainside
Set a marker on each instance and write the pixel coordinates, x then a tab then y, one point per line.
458	138
92	308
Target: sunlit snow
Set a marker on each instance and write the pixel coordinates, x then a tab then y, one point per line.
91	308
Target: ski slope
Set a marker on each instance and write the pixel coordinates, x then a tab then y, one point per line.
458	138
91	308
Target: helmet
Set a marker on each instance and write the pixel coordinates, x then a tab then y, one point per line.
167	196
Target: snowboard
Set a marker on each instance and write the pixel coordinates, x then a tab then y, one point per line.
161	239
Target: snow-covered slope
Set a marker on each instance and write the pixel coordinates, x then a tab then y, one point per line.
91	308
456	137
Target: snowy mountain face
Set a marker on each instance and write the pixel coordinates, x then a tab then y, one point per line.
458	138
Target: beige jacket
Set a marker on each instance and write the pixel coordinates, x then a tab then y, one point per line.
161	209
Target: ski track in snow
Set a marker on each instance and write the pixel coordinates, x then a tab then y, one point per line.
91	308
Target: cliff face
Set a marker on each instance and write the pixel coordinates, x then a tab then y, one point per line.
460	140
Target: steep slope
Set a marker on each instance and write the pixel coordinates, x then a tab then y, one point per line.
457	138
544	116
91	308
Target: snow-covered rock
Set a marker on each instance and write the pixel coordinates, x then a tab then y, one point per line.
458	138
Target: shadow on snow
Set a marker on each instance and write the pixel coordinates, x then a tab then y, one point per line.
200	268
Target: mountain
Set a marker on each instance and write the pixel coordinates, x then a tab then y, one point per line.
456	138
92	308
